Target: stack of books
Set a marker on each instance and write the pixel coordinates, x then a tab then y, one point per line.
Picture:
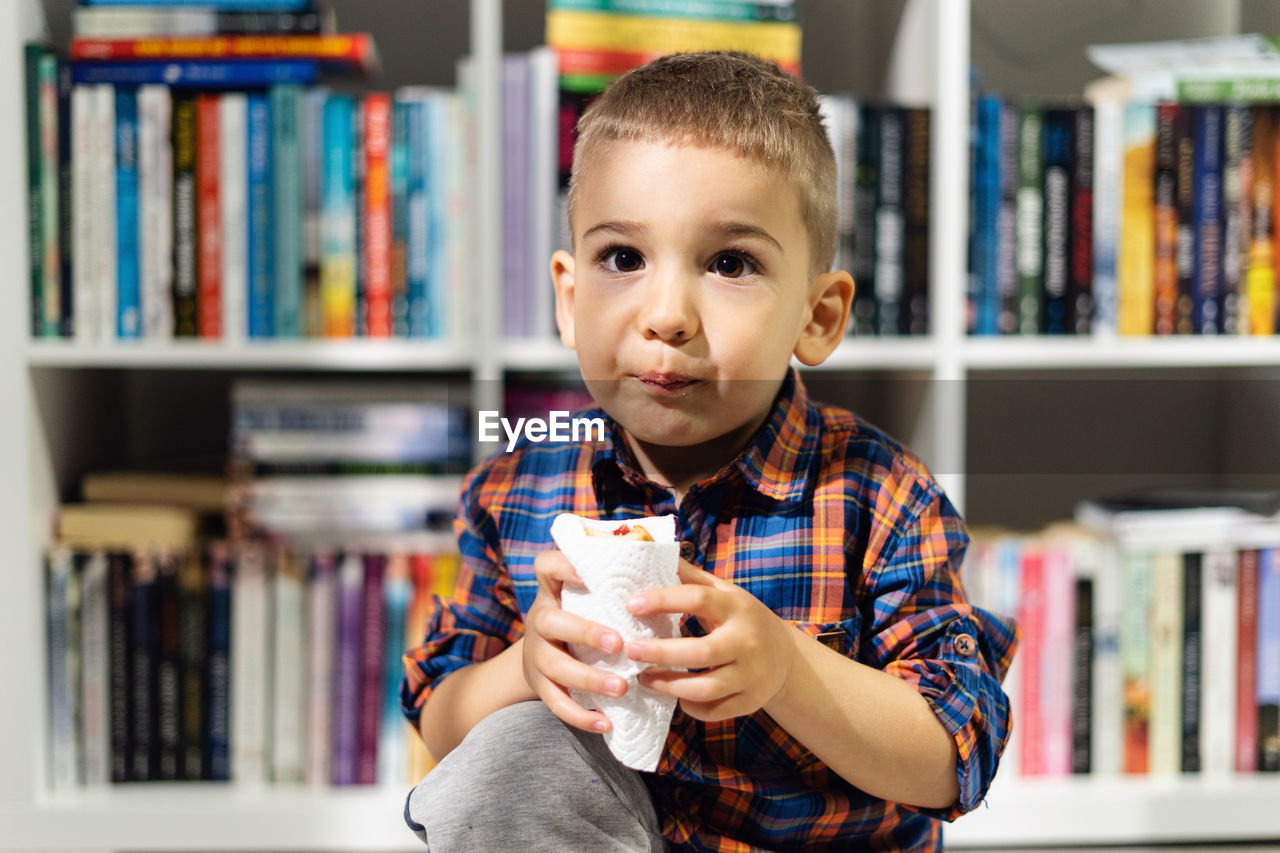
190	176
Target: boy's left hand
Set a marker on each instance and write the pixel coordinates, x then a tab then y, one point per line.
739	665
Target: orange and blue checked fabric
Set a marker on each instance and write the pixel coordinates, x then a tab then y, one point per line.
834	526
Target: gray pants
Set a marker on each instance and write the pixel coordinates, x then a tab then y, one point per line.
524	781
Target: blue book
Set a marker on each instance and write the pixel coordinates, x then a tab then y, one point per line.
286	157
397	590
128	275
416	248
1268	660
246	5
986	201
231	74
258	208
1206	219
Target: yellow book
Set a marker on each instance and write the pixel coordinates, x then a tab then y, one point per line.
90	526
642	34
1135	267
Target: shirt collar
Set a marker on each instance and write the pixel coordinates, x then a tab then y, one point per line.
775	463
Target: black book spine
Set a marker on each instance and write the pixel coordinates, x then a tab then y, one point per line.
142	656
1058	132
192	643
1186	239
889	222
1192	571
915	250
66	300
218	676
168	685
119	586
1082	679
184	214
250	23
1080	284
864	222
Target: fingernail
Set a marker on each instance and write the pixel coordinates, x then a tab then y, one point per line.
610	643
601	725
636	603
614	686
634	651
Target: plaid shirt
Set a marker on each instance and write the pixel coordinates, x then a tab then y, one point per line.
836	528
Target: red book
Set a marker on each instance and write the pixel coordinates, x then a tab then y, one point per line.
354	50
372	646
1246	665
1031	620
209	220
376	129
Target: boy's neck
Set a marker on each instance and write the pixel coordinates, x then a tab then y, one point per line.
681	467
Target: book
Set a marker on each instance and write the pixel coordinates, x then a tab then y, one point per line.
1267	662
184	215
155	211
376	258
1136	251
250	664
1192	680
217	759
1260	276
1135	659
1031	613
398	190
392	737
353	51
288	690
713	10
1166	194
321	636
1186	237
915	239
890	223
95	663
544	132
202	493
1107	713
373	629
120	694
63	647
1246	696
193	644
128	284
338	217
105	244
1206	128
261	228
143	653
168	683
1237	133
209	224
515	203
140	21
345	743
66	216
50	197
1218	614
1029	219
417	271
32	54
219	5
237	227
863	319
287	195
199	74
1108	200
83	263
92	525
1082	659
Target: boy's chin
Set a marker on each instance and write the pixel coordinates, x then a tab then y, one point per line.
674	428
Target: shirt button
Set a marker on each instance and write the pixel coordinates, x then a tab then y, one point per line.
966	646
686	550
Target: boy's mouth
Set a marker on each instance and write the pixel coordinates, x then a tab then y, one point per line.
665	383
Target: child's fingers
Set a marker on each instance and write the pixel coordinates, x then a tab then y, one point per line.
565	627
554	570
689	573
701	687
686	652
562	705
567	672
695	598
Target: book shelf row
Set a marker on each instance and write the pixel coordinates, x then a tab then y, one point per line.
248	663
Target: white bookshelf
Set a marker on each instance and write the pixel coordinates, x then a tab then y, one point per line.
40	382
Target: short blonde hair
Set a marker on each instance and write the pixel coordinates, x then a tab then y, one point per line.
723	99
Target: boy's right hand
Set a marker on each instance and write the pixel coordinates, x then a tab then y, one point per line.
548	667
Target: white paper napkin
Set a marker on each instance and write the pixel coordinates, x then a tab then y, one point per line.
613	570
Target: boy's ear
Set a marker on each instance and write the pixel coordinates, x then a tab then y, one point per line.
562	277
830	299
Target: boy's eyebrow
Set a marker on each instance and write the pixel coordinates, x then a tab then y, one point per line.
727	229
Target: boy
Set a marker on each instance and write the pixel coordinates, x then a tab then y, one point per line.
835	689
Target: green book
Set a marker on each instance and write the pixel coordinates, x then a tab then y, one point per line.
1028	218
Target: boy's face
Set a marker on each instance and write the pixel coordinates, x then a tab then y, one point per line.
688	291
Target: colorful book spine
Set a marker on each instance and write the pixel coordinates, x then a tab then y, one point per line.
218	677
1080	281
1006	223
344	760
1246	697
1135	659
1029	216
1031	611
1166	663
1268	660
393	747
230	74
352	50
1056	229
1165	271
438	160
376	121
373	631
66	215
1219	663
1186	241
1107	729
417	264
1108	202
313	159
1206	128
986	207
155	210
32	54
1193	569
1260	276
515	204
1135	282
287	195
261	228
105	245
95	651
889	221
184	216
338	217
399	191
141	21
714	10
233	212
1236	133
209	218
50	225
1056	665
128	284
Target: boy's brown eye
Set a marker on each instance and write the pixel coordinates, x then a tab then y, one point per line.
729	266
623	260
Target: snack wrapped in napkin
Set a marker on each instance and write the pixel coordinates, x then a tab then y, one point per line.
615	561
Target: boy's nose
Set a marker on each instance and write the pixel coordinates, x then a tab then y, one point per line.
669	311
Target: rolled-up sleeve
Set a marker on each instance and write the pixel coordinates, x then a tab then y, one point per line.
479	621
922	629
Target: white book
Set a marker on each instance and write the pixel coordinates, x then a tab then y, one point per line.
63	653
544	184
1219	591
84	294
1108	185
321	604
155	211
233	189
1165	733
1107	705
250	642
103	181
288	689
95	708
1007	592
